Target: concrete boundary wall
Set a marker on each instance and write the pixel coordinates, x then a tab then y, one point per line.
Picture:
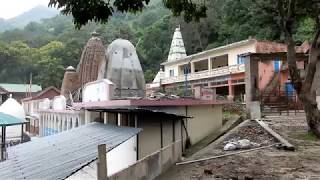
153	165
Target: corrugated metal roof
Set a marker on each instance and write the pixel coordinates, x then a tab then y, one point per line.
8	120
20	87
59	156
137	110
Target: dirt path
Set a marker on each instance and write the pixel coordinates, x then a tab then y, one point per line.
268	164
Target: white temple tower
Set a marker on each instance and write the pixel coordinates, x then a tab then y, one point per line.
177	49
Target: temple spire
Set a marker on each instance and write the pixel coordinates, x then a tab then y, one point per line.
177	50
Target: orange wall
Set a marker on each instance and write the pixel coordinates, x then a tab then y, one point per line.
266	71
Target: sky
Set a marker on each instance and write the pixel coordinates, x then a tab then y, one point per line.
12	8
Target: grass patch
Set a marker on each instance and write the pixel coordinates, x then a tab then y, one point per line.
226	114
309	136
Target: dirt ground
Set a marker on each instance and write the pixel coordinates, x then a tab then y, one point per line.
268	164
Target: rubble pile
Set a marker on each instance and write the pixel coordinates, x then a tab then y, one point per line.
250	135
240	144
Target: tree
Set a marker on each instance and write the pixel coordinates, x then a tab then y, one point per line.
84	11
285	13
290	12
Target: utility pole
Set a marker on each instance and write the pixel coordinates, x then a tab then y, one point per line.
186	72
102	163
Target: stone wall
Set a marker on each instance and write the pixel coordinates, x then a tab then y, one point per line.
153	165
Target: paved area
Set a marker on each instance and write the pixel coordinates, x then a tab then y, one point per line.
268	164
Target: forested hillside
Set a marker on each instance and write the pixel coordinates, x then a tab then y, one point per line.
46	48
33	15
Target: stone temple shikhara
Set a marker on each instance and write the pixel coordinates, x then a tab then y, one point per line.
118	62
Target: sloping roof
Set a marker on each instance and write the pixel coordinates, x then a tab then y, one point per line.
44	94
8	120
20	87
3	91
61	155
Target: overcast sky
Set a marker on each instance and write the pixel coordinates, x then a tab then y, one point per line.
12	8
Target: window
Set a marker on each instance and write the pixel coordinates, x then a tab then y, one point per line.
171	72
240	59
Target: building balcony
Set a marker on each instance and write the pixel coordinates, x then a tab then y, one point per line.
223	71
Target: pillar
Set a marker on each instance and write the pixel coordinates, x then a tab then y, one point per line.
214	92
251	80
63	123
41	125
59	123
231	93
68	123
209	64
192	67
74	122
105	116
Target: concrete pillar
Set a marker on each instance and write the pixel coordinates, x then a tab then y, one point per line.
64	123
73	122
87	117
45	123
214	92
231	93
59	124
105	118
41	125
102	172
209	64
68	123
255	111
192	67
54	121
251	80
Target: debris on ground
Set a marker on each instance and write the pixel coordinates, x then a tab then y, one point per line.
266	164
240	144
251	132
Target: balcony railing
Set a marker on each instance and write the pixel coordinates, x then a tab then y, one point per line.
206	74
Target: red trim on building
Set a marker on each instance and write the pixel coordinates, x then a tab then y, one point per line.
150	103
49	93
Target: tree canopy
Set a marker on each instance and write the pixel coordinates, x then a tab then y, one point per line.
151	31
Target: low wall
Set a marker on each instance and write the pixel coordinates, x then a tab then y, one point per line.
153	165
55	121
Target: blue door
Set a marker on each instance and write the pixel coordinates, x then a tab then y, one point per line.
289	90
276	65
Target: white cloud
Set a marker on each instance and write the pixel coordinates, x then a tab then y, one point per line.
12	8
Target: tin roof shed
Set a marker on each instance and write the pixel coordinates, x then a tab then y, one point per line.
61	155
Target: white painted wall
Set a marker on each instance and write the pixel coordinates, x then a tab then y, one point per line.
117	160
232	56
122	156
59	103
174	67
101	90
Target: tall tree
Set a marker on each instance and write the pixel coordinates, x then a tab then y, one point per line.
286	14
290	12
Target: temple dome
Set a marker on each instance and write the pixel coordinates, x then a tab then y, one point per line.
177	49
91	58
13	108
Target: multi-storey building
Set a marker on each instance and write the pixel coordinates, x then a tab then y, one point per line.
221	69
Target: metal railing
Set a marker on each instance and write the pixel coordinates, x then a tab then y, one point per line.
206	74
280	102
